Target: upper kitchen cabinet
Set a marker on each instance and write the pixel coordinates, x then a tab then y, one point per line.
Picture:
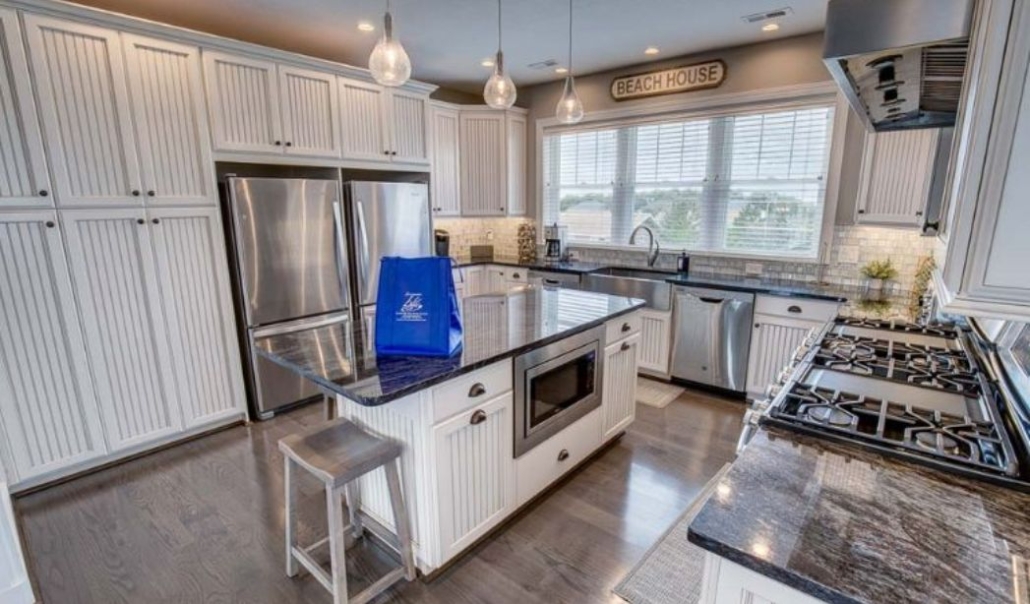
310	112
490	141
381	125
167	95
897	171
446	176
80	83
23	174
984	270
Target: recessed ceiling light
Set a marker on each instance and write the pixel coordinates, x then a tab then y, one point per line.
770	27
561	70
487	62
651	50
366	26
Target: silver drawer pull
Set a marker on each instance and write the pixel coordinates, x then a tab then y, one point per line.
563	455
478	417
625	346
477	389
626	327
794	309
551	282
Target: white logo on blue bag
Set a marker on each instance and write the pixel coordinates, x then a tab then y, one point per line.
413	308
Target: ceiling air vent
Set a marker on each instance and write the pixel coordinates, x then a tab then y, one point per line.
548	64
773	14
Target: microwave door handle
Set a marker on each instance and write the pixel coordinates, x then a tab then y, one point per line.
363	260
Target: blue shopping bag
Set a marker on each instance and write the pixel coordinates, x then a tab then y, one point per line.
417	308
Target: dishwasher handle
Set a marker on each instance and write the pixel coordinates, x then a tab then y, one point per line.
708	300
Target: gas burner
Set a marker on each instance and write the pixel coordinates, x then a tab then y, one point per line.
932	328
933	440
827	414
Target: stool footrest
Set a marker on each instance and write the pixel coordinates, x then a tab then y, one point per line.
313	567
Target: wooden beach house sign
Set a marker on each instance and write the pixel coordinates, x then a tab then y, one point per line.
698	76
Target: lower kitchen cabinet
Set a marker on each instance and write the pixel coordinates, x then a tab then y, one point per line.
655	341
619	391
781	325
475	280
726	582
475	472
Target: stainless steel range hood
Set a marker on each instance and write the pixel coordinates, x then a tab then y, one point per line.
900	63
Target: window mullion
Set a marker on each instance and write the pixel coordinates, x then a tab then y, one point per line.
715	192
624	185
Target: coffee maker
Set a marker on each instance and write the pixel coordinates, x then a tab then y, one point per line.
555	239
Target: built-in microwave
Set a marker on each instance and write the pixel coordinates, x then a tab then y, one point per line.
555	385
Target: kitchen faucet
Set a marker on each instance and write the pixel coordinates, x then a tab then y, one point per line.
652	255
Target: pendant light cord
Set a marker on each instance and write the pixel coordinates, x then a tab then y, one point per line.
500	40
570	38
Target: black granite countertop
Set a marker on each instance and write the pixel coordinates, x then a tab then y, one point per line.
762	285
845	524
573	267
341	359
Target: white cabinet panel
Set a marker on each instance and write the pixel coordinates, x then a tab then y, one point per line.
112	269
619	393
80	83
23	175
655	340
476	472
773	341
310	112
167	93
408	113
446	175
516	160
47	405
486	316
475	280
243	102
896	173
364	123
483	189
190	256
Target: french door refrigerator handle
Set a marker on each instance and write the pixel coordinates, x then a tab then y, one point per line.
362	248
341	254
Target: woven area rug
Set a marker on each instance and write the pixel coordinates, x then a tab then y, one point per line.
672	570
656	394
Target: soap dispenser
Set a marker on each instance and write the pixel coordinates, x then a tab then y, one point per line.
683	263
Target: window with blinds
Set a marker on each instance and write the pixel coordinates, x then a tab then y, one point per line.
749	184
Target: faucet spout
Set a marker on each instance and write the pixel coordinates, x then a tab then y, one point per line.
653	247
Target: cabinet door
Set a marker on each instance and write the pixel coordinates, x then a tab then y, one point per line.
475	280
84	105
496	279
114	278
897	170
189	251
482	164
655	340
23	175
516	176
619	392
364	123
475	470
408	117
48	411
485	316
311	112
243	102
168	106
446	171
773	341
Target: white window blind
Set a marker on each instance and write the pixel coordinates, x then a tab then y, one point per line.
751	184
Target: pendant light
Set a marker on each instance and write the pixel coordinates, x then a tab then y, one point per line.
389	63
570	108
499	91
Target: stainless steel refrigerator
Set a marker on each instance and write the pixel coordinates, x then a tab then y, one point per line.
386	219
290	267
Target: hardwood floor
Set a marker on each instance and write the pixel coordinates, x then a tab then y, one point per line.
203	521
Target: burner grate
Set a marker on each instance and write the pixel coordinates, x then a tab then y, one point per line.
931	328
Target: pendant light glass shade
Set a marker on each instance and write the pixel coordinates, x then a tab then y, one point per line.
389	63
570	108
499	91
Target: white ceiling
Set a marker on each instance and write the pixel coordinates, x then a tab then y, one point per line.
447	39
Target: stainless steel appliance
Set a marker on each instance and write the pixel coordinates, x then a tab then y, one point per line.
385	219
555	242
556	385
900	63
289	256
712	336
442	241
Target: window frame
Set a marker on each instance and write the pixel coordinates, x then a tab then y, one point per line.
714	105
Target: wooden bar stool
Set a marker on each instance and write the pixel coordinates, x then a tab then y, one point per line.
338	453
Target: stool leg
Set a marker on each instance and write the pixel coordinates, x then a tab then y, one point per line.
292	568
337	544
400	517
353	494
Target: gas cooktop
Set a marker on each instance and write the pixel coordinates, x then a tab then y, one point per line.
931	328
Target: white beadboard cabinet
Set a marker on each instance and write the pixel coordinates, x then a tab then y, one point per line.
773	341
24	181
408	119
48	410
515	159
619	391
384	126
84	108
310	112
114	275
897	170
483	170
15	586
446	158
167	95
655	341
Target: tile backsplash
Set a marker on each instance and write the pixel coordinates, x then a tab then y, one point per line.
502	233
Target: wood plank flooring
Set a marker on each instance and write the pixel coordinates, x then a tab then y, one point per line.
203	521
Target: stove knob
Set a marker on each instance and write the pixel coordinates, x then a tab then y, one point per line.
784	375
759	406
772	390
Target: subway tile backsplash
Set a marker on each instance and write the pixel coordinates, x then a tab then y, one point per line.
502	233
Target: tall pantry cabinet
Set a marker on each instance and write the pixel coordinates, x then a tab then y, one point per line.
117	303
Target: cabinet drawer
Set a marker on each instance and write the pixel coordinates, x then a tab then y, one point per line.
541	466
796	308
520	275
470	390
623	327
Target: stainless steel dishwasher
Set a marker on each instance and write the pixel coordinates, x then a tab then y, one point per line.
712	336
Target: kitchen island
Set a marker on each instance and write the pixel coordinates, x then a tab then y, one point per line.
457	416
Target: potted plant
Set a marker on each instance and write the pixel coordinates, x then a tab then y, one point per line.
878	272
